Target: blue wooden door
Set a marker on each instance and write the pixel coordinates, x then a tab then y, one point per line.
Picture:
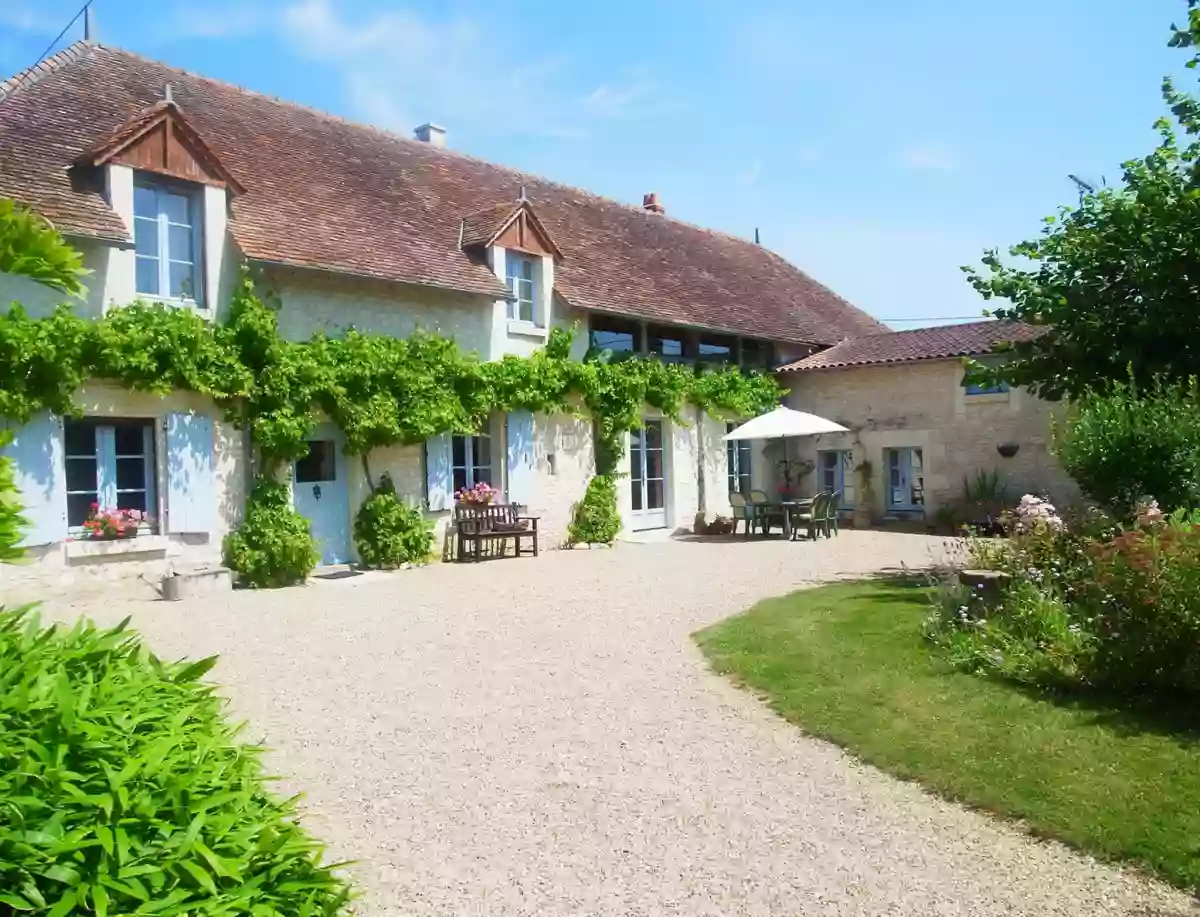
906	480
321	494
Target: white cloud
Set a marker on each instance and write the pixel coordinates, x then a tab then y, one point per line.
219	22
928	157
401	68
17	15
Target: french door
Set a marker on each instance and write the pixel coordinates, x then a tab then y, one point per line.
906	479
648	474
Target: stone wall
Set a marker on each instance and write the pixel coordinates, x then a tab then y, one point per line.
924	405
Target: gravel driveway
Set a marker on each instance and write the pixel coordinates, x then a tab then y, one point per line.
540	736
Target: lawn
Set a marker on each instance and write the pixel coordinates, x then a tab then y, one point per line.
848	663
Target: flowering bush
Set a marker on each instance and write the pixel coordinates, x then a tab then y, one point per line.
114	523
481	493
1089	603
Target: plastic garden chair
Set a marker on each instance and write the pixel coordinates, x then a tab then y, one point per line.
832	516
763	512
739	510
813	520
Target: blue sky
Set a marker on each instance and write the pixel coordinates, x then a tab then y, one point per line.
878	145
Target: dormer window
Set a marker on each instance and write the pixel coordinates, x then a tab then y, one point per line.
166	233
521	273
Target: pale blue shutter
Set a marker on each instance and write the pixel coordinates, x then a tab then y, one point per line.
520	457
40	474
191	503
439	476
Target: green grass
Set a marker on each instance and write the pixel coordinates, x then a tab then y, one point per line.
848	663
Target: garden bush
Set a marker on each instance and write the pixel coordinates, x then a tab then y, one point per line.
273	547
1090	604
595	519
388	532
1126	444
123	790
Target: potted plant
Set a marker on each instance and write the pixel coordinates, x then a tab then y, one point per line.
479	495
112	524
794	470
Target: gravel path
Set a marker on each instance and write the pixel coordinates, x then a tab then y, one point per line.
542	737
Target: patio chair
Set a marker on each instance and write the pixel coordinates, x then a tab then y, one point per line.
833	514
764	513
739	510
814	519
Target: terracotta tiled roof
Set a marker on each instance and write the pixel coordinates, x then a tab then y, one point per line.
328	194
939	343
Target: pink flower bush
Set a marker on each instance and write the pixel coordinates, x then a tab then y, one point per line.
113	523
481	493
1034	513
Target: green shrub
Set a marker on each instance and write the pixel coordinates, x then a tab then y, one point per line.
1126	444
595	519
389	532
123	790
12	523
1143	601
273	547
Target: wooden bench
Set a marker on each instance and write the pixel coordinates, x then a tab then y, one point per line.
484	531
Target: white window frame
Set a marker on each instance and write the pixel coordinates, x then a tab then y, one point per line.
161	188
737	453
521	271
473	448
106	492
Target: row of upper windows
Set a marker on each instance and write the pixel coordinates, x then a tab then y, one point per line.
676	344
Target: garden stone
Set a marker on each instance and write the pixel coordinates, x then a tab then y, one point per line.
987	585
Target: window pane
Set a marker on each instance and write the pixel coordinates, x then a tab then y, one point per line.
458	449
145	237
130	438
654	494
665	343
131	473
183	280
79	507
319	465
180	242
134	499
176	207
716	350
460	478
147	275
637	495
635	465
483	450
80	437
81	475
654	464
482	473
145	202
654	436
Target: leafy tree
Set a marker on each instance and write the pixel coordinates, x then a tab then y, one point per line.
1116	280
29	247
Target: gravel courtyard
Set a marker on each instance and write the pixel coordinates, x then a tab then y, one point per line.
540	736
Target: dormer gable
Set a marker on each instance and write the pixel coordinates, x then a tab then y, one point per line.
160	140
510	225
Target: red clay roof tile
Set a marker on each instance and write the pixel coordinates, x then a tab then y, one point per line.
938	343
324	193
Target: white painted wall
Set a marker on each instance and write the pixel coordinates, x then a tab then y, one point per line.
48	566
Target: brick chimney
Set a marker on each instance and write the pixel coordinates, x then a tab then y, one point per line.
433	134
650	202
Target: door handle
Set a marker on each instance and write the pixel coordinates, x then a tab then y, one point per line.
317	491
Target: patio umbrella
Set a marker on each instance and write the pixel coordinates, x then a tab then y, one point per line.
783	422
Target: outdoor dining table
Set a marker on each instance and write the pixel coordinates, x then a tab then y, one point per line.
786	508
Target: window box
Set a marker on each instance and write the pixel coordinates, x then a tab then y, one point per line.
119	547
528	329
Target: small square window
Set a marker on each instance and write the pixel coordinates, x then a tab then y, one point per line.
319	465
